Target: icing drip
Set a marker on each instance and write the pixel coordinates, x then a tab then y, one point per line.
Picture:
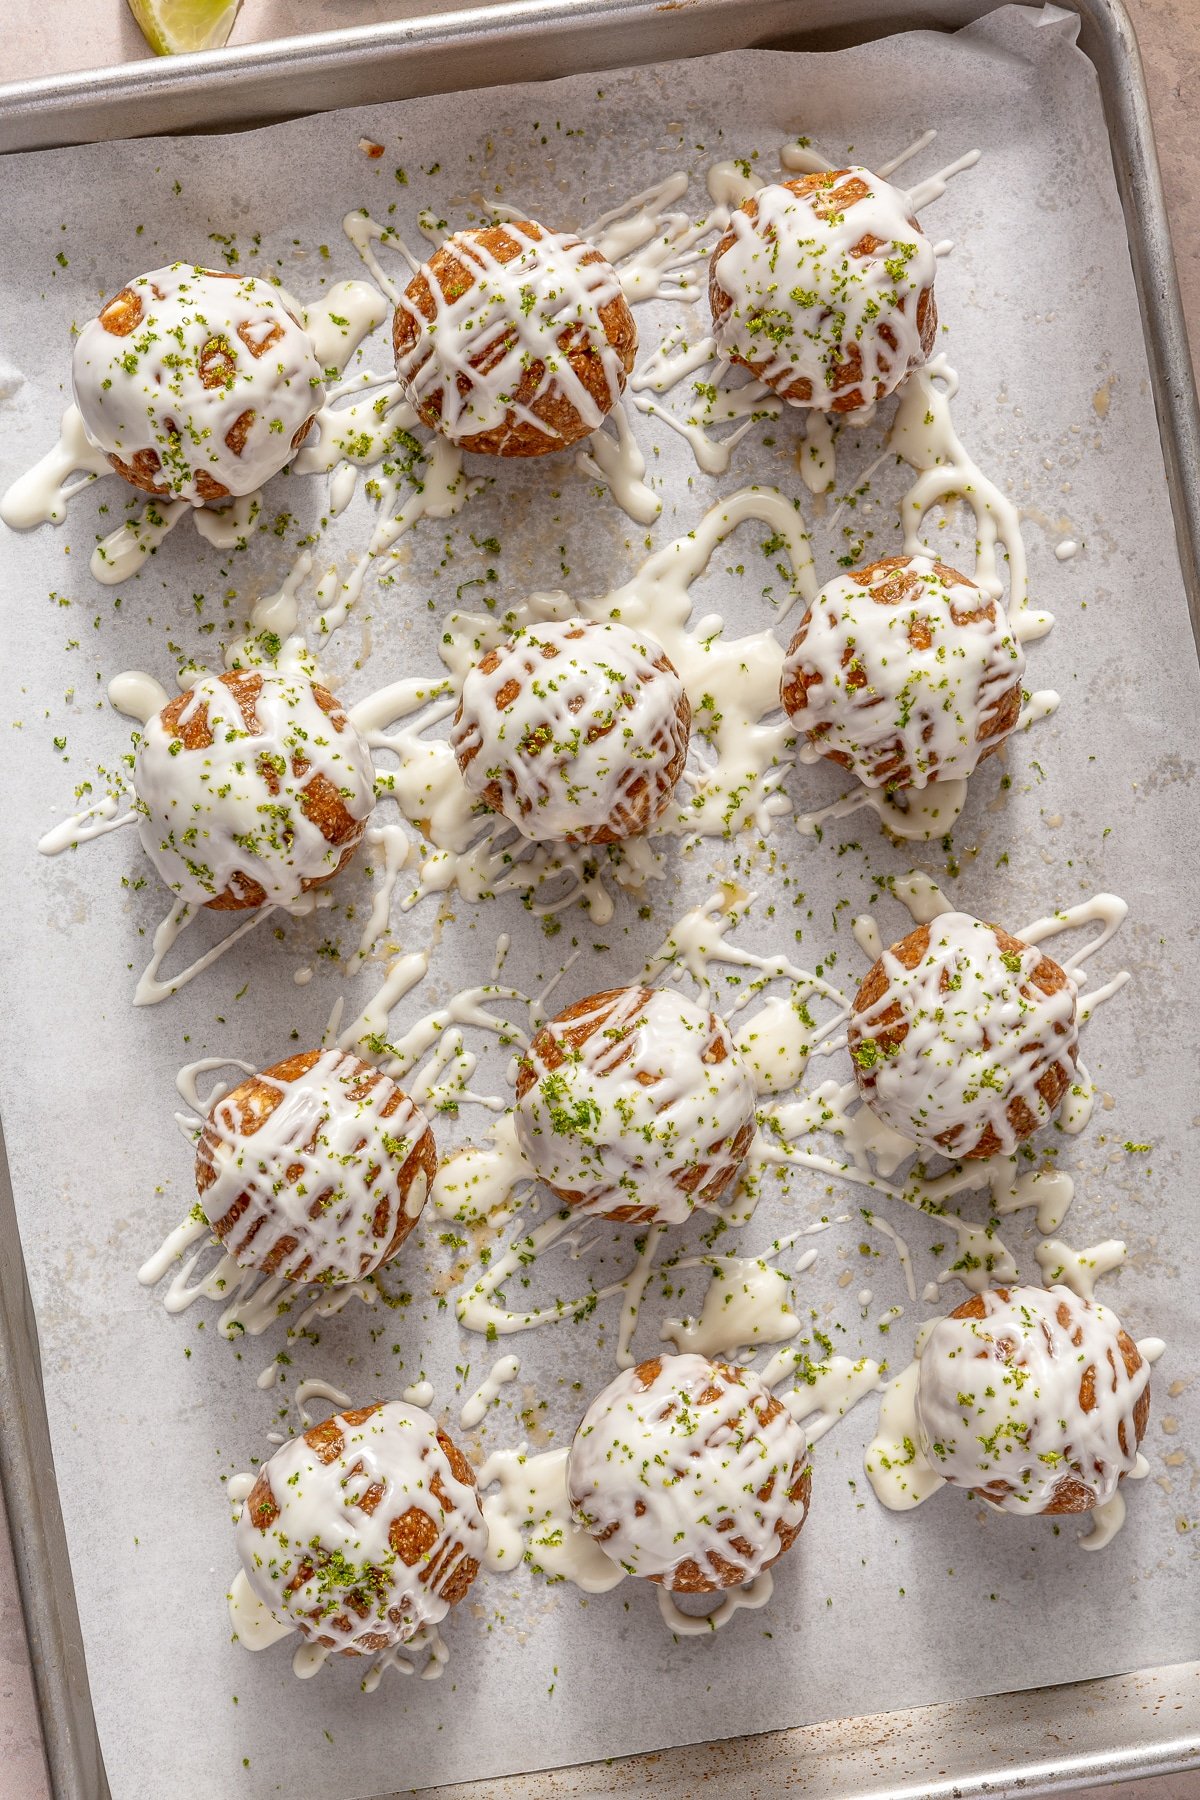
981	1040
363	1530
316	1169
797	297
40	496
905	672
575	730
690	1473
634	1104
251	787
750	1598
475	1409
529	1520
747	1304
197	385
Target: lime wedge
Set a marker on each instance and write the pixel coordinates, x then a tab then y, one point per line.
172	25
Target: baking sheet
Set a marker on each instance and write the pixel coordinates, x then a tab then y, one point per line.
1028	291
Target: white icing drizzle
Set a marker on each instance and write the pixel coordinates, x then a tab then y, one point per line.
923	434
747	1304
894	1464
365	1537
824	1392
640	1102
888	168
94	821
340	321
741	746
803	302
319	1187
475	1409
529	1520
1050	1191
903	1256
255	1626
246	807
121	554
579	727
980	1037
137	695
312	1388
751	1597
998	1400
818	469
902	671
677	1481
1078	1270
479	345
934	186
40	496
150	990
617	461
652	242
203	383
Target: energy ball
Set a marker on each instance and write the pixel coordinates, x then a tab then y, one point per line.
196	385
513	340
316	1170
364	1529
634	1105
905	673
823	287
576	731
1033	1398
963	1038
690	1473
251	788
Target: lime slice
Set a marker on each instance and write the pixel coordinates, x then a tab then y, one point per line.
172	25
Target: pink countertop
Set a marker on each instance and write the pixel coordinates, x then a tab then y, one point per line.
73	34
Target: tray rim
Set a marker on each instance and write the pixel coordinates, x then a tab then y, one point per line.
1025	1737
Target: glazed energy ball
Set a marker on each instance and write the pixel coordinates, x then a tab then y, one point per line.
1035	1399
196	385
690	1473
904	672
364	1529
251	788
633	1104
963	1038
317	1169
575	731
823	286
514	340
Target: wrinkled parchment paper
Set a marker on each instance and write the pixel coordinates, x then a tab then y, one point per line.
149	1412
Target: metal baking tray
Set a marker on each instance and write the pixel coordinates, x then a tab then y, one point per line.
1051	1740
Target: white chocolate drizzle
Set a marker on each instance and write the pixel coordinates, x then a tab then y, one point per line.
511	317
319	1521
573	721
475	1409
668	1480
642	1112
208	375
320	1172
904	681
981	1035
800	294
238	808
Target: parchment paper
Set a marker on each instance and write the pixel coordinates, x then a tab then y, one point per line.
149	1412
